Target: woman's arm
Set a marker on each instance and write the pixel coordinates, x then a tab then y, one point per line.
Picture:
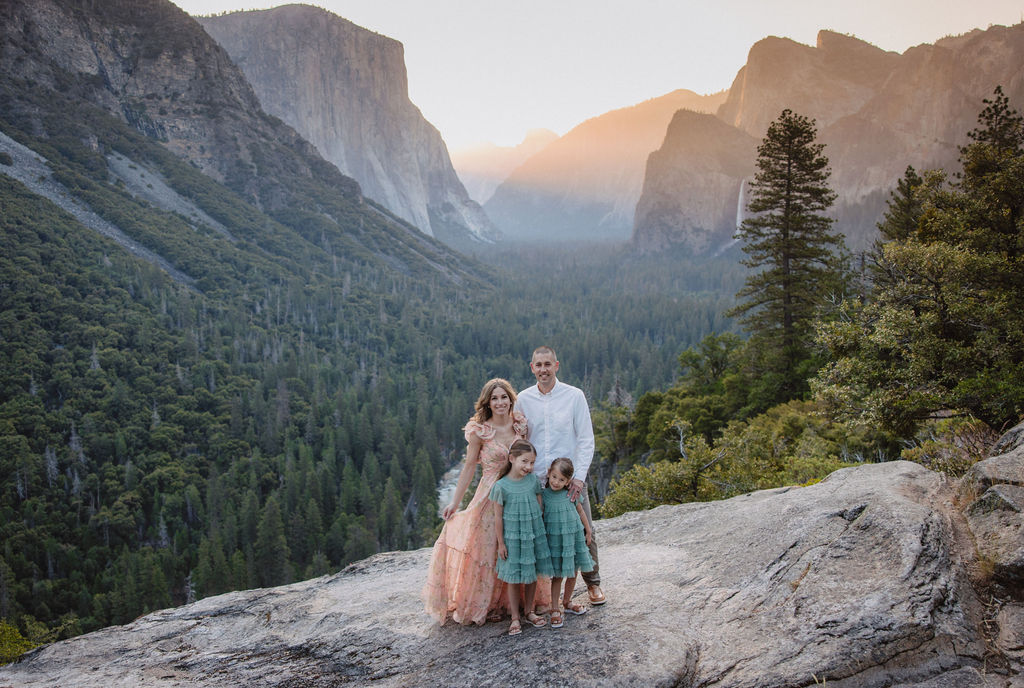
499	528
465	476
586	523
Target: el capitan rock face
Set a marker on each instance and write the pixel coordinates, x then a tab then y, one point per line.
876	112
344	88
153	67
862	580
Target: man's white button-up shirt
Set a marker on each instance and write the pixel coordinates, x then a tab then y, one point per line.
559	426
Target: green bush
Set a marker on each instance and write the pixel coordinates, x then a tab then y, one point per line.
951	445
12	643
790	444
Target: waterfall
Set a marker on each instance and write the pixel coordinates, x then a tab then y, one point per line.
741	206
741	203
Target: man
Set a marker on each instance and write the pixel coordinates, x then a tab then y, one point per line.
560	425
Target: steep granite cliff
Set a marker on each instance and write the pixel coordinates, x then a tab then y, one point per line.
876	111
152	66
344	88
155	68
586	184
693	184
834	78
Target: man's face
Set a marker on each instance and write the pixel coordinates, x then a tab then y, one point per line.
544	367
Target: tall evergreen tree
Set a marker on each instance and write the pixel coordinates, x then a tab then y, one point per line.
905	207
272	554
791	253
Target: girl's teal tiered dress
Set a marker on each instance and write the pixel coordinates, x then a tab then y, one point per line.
566	540
523	530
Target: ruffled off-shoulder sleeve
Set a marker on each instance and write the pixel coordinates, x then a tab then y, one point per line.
482	430
497	494
519	424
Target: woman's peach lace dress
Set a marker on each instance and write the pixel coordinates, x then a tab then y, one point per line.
462	581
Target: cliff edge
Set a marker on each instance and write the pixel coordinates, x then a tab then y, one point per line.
868	578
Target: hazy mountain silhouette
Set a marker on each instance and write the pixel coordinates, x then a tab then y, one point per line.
586	184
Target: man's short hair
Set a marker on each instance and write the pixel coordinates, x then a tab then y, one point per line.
544	349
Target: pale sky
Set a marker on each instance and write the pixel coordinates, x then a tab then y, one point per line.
482	70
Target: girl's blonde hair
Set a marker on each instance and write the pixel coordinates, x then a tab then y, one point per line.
518	448
483	404
563	466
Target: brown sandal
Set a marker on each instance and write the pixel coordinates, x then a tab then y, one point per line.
515	628
556	619
535	620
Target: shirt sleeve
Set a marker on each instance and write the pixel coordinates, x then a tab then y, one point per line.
584	437
497	494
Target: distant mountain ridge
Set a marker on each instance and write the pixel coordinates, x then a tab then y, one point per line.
344	88
482	168
876	111
586	184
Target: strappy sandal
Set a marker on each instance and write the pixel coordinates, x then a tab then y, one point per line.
535	620
556	619
515	628
576	609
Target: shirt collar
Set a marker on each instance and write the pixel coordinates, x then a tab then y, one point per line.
547	394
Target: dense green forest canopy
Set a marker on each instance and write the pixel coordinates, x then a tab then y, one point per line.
289	410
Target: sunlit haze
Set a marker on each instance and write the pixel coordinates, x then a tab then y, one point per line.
487	71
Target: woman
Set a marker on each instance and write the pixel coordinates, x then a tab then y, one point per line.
462	581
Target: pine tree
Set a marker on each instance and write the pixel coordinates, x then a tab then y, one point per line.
791	253
425	499
993	180
359	542
271	550
905	207
390	519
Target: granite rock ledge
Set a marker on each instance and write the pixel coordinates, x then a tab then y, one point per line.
867	579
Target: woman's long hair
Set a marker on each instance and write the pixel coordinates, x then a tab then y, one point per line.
518	448
483	404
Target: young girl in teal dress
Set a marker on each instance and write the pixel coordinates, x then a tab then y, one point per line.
568	533
522	542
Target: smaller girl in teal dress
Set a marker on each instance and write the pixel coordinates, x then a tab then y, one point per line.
568	534
522	543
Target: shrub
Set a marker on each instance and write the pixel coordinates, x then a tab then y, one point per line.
12	643
790	444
